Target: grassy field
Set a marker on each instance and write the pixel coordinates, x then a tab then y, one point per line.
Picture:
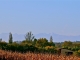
8	55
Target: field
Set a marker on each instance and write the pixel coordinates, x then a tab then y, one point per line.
8	55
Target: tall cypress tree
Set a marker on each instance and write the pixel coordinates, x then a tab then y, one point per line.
51	39
10	38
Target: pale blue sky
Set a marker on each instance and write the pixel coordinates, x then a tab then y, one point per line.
42	16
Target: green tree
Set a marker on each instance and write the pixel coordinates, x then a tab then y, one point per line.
42	42
29	36
77	53
0	39
67	44
10	38
51	39
51	44
3	45
34	42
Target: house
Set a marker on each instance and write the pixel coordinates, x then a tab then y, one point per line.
63	51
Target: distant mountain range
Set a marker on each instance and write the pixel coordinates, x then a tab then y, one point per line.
56	37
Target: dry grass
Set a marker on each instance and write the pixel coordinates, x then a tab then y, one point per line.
7	55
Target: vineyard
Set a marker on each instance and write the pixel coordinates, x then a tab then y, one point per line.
8	55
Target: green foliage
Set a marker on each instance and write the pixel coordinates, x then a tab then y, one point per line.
10	38
42	42
3	45
51	39
29	44
50	49
51	44
29	36
67	44
34	42
77	53
39	45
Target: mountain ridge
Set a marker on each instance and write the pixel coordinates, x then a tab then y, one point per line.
56	37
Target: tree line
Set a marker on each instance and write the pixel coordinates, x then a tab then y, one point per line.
38	45
29	44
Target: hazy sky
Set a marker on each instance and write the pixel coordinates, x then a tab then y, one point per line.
40	16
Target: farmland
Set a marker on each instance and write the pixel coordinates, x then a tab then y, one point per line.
8	55
38	49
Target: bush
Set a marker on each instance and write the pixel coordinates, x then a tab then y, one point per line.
77	53
50	49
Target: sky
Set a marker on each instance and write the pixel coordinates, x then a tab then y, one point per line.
40	16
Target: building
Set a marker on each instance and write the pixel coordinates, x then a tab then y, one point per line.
63	51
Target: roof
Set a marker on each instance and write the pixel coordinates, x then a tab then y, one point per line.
66	50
